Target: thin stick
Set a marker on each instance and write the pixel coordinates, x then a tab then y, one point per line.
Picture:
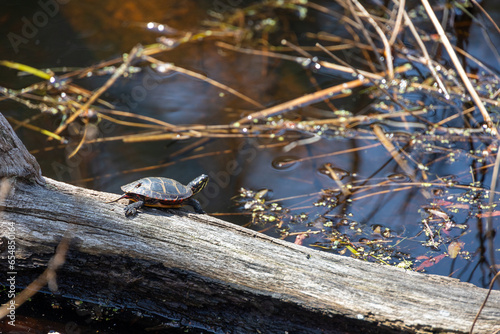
377	129
161	124
309	99
458	66
118	73
320	156
366	34
170	66
344	43
36	128
364	51
486	14
382	192
80	144
299	59
427	58
399	19
387	46
337	180
484	302
489	220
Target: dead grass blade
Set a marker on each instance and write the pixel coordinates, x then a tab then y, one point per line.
366	34
377	129
336	178
399	19
458	66
486	14
489	221
118	73
387	46
133	124
428	61
484	302
26	68
172	67
309	99
37	129
302	60
80	144
382	192
320	156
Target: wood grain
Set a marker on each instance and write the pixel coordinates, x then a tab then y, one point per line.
221	276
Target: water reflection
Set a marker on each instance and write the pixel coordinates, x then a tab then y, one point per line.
329	177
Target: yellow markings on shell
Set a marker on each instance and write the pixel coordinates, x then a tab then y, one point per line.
178	191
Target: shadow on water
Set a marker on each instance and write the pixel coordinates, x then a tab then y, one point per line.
305	187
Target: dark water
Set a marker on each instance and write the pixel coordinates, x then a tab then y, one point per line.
79	34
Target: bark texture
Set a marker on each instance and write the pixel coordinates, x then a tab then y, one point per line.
224	277
15	160
213	274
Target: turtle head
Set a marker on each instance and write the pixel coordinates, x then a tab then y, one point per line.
199	183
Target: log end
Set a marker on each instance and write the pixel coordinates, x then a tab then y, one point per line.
16	163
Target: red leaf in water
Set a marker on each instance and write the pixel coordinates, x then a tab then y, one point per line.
442	202
454	205
439	213
430	262
488	214
299	239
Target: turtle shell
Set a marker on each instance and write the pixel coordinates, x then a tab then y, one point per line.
159	188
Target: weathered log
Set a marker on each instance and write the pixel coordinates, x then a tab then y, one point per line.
223	277
207	271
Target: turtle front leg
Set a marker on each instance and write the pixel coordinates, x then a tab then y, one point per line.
196	205
131	209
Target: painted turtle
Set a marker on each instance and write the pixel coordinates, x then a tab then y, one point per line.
161	192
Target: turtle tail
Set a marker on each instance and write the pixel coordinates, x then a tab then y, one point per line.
116	200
